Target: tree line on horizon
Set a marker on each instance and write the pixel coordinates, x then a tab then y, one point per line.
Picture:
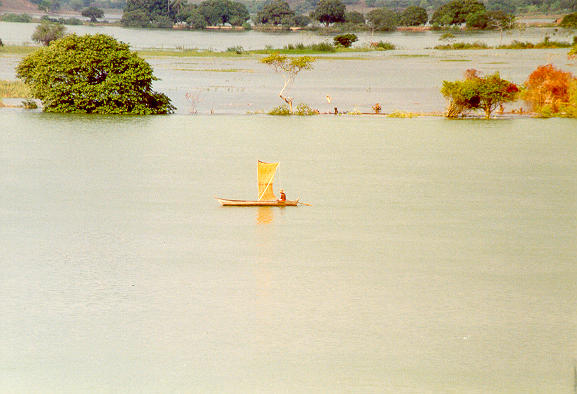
498	14
302	7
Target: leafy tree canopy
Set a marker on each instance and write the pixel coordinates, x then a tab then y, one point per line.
345	40
135	18
302	20
548	89
192	17
355	17
92	74
218	12
569	21
46	32
275	12
329	11
413	16
497	20
455	12
93	13
141	13
508	6
478	92
383	19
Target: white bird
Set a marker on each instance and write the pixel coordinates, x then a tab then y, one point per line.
328	99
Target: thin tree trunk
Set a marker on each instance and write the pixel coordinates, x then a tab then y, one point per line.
287	100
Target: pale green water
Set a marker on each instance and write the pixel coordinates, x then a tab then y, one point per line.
438	256
20	33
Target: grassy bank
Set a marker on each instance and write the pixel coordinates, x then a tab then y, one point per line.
13	89
17	49
545	44
297	49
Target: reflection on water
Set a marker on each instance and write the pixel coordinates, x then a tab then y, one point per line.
265	215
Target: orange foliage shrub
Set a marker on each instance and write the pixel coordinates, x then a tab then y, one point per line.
548	87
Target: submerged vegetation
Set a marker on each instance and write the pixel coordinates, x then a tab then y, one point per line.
548	91
478	92
463	45
547	43
302	109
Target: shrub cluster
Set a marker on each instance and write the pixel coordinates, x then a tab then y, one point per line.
478	92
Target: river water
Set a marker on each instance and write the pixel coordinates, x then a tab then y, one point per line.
437	256
21	33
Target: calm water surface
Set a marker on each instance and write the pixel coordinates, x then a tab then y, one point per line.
21	33
438	256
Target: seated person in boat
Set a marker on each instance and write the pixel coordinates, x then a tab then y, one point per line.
282	196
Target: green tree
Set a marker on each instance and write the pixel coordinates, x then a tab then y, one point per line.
302	20
140	13
455	12
413	16
329	11
135	18
289	67
355	17
177	6
275	12
508	6
46	32
192	17
383	19
92	74
345	40
478	92
478	20
569	21
218	12
93	13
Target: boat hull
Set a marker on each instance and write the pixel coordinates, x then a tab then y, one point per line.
246	203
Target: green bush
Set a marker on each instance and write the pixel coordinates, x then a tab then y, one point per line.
70	21
281	110
345	40
463	45
323	47
239	50
304	110
383	46
545	44
29	104
569	21
46	32
70	76
23	18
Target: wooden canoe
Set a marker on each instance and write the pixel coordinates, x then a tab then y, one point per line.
246	203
